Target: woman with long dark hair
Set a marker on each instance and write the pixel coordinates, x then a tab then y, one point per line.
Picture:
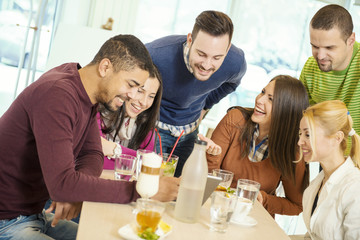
260	144
132	126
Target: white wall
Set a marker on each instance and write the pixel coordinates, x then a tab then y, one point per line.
95	13
75	12
74	43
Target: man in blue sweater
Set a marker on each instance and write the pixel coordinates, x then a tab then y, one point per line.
198	70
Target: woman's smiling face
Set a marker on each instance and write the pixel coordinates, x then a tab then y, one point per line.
319	140
263	106
144	99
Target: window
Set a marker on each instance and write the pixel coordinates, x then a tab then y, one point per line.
273	34
17	41
171	17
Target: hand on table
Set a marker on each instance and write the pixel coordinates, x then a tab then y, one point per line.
168	189
64	210
211	147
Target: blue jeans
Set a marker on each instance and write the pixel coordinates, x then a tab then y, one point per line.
183	149
37	226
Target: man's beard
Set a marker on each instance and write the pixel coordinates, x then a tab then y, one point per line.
200	77
203	69
109	108
326	68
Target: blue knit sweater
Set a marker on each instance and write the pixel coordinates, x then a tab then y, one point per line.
184	96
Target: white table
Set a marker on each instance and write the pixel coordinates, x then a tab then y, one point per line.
103	220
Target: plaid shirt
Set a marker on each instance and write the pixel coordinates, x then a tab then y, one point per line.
188	128
258	152
186	57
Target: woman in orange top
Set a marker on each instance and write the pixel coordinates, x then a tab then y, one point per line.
261	144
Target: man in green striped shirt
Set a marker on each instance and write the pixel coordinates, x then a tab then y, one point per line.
333	72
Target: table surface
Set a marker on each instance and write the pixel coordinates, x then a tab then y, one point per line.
103	220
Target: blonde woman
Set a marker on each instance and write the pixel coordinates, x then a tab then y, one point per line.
332	201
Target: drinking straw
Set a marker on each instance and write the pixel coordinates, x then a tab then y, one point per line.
175	145
159	142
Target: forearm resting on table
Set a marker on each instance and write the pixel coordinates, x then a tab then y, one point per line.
280	205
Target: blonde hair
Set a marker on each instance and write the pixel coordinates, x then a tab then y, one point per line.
333	116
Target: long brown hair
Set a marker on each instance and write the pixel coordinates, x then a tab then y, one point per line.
290	99
145	121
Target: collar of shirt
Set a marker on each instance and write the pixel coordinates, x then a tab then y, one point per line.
338	174
186	51
258	152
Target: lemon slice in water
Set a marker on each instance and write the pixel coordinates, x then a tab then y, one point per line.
164	226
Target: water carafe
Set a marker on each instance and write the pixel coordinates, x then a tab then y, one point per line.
192	185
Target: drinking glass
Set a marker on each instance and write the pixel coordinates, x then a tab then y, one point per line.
124	167
148	214
168	167
246	191
222	207
148	181
139	156
226	177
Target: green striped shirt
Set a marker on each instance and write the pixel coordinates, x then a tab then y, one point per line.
335	85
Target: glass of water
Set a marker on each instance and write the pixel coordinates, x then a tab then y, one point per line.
247	191
222	207
226	177
124	167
